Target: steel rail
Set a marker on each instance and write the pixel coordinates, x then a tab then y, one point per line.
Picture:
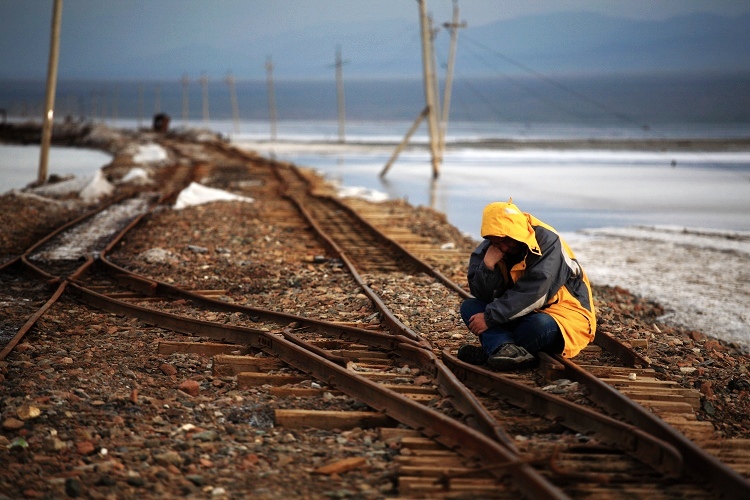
477	414
696	461
410	344
23	261
474	445
620	404
610	344
46	239
473	410
450	375
622	352
650	450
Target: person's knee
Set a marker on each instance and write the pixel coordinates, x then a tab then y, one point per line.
470	307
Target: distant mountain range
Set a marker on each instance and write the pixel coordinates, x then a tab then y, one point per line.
564	43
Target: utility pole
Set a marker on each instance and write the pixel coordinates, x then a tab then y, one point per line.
140	104
185	99
49	108
428	70
431	111
271	97
204	88
233	100
157	99
340	94
115	104
453	26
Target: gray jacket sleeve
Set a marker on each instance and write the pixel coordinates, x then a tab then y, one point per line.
543	277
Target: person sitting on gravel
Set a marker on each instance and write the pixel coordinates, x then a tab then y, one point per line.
530	293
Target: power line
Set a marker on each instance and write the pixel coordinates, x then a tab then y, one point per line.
618	114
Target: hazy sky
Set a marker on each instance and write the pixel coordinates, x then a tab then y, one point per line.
137	28
266	17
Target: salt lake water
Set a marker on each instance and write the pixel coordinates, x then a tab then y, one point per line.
571	189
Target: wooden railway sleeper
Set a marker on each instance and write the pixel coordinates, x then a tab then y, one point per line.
449	432
696	461
655	452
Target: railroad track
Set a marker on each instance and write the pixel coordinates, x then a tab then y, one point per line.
462	441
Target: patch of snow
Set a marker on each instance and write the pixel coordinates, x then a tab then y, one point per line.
150	153
88	188
198	194
362	193
701	277
91	237
137	176
96	188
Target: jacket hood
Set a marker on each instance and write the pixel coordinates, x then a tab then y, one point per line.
503	218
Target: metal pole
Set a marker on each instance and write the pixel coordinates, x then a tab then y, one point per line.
49	108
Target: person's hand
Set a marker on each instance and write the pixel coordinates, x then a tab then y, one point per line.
493	256
477	324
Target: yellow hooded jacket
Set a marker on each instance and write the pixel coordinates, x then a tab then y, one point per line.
548	279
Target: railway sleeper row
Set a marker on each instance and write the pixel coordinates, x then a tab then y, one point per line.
539	485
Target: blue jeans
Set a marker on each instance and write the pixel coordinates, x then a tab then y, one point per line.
534	332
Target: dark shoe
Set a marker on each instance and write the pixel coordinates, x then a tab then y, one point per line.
472	354
510	357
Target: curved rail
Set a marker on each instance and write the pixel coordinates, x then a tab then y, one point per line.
487	441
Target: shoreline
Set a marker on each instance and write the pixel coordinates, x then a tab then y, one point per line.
651	145
69	134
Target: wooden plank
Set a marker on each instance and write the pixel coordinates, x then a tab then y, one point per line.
642	382
453	460
438	469
361	355
666	406
322	419
387	433
203	348
341	466
383	375
246	380
411	389
420	443
422	398
694	402
427	485
225	364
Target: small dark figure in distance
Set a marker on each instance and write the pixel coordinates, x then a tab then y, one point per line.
529	293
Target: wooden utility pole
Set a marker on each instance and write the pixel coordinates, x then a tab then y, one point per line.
340	94
428	77
431	111
140	105
49	107
204	88
453	26
185	99
115	103
271	97
233	101
157	99
404	141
